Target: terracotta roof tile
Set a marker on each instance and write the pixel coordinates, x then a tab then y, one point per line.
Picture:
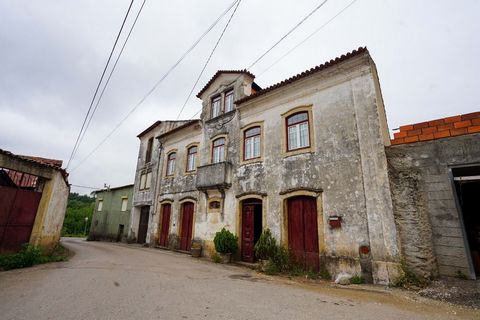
219	72
304	74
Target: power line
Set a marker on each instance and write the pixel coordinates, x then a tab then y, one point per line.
288	33
111	72
75	147
276	43
308	37
85	187
208	60
156	84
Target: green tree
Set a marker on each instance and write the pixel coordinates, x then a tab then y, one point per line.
78	207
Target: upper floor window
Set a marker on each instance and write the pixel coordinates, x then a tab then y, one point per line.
191	157
298	135
228	102
171	163
216	107
100	205
148	155
124	204
252	143
218	152
145	180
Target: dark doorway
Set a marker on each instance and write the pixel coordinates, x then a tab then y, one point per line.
251	227
121	227
166	211
143	224
468	192
187	224
303	231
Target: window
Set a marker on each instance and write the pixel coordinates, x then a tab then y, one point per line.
252	143
148	155
124	204
171	163
214	205
215	107
298	135
191	157
100	205
228	102
143	180
148	180
218	152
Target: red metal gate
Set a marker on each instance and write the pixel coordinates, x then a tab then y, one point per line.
303	231
18	209
166	209
187	223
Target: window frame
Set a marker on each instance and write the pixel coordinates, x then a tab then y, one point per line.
100	205
218	99
124	200
244	130
285	143
213	147
298	129
187	158
228	93
169	160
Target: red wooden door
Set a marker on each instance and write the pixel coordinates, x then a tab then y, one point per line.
248	230
166	209
143	224
303	231
187	222
18	209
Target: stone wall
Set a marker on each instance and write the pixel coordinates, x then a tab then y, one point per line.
426	213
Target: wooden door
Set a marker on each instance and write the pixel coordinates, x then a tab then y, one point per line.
248	232
166	211
143	224
187	223
303	231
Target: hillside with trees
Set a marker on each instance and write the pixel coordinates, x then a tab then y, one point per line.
79	207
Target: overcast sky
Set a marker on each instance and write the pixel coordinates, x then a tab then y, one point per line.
52	54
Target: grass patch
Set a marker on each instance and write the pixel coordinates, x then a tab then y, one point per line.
409	279
357	280
216	258
31	255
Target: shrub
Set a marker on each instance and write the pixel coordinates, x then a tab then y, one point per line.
26	257
225	242
357	280
409	279
265	246
216	258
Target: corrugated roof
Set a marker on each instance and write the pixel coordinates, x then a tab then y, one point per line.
304	74
219	72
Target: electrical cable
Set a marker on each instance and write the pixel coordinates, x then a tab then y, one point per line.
156	85
98	86
208	60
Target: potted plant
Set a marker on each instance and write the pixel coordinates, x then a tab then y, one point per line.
196	249
226	244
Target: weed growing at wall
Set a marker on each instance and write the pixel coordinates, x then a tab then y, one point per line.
409	279
30	255
357	280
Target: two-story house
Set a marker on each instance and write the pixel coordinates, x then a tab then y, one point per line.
304	157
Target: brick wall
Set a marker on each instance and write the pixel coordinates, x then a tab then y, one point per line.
439	128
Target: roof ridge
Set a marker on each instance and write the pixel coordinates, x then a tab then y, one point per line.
218	73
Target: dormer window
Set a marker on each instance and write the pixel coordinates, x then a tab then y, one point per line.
228	101
216	108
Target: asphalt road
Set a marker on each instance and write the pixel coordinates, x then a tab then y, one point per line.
113	281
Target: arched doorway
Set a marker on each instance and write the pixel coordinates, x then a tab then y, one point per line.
303	231
165	224
251	227
186	226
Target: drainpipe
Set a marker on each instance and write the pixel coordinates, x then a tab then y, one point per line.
157	183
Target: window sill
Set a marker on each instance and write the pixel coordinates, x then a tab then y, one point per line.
299	151
251	161
221	116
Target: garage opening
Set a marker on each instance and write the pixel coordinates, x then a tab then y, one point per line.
251	227
467	184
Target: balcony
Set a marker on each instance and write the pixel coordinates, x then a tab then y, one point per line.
214	176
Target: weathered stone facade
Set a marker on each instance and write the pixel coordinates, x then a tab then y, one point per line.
427	212
343	167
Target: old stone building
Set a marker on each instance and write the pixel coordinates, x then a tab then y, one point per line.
304	158
111	214
434	171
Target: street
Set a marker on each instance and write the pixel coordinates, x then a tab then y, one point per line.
116	281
